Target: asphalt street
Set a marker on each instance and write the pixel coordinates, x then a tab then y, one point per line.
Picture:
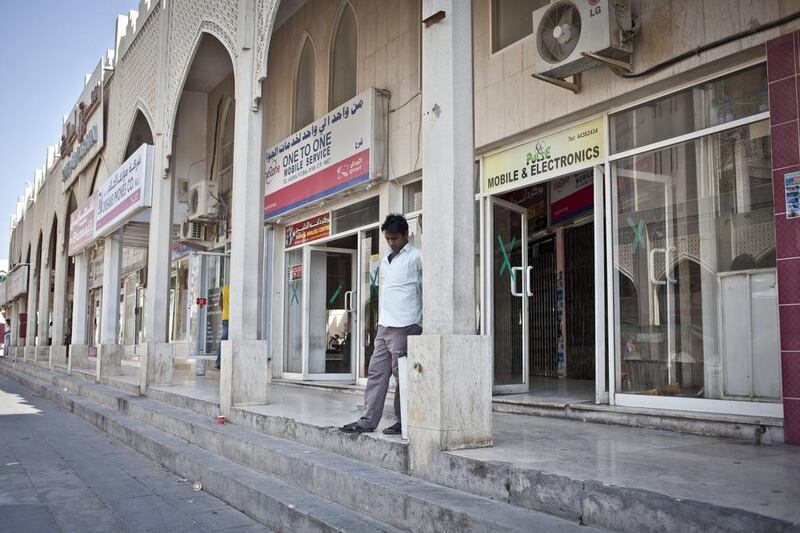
60	474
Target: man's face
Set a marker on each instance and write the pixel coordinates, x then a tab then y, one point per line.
396	241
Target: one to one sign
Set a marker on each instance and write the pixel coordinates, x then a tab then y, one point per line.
81	226
571	195
126	192
17	282
791	184
543	159
311	229
82	134
332	154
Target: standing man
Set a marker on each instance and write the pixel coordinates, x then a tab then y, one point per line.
400	315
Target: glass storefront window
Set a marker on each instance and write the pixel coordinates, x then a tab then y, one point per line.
293	316
355	215
412	197
694	254
179	301
717	102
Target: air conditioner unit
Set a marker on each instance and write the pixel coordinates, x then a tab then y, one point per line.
192	231
203	200
566	30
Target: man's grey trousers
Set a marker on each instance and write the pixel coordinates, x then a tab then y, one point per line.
382	365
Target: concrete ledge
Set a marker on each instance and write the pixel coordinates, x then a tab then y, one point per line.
109	360
761	430
29	353
274	503
78	357
244	374
43	354
156	369
58	356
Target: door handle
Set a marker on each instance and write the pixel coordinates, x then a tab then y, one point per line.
651	263
348	301
528	282
514	282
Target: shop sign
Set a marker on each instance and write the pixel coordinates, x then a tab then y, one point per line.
331	155
82	133
571	195
125	193
81	227
180	250
791	184
546	158
17	282
296	272
311	229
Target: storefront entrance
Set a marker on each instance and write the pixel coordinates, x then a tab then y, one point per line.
331	306
543	289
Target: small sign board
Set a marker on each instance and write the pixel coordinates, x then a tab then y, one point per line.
791	184
309	230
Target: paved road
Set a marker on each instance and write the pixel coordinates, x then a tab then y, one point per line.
60	474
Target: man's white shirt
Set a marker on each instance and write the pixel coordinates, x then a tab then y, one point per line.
401	288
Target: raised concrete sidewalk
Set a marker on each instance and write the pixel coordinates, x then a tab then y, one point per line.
623	478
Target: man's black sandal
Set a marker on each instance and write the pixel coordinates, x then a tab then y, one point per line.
394	429
354	428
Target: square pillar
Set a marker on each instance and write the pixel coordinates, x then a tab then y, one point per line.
450	366
79	349
243	375
60	289
783	73
109	353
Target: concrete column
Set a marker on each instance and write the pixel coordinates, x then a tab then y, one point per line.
58	351
79	349
157	364
450	378
33	297
43	326
244	373
109	353
22	306
12	349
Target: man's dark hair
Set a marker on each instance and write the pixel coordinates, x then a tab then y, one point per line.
395	223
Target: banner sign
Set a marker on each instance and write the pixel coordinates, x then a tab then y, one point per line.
543	159
82	133
571	195
330	155
81	227
311	229
125	192
17	282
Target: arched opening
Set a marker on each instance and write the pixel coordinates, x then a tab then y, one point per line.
344	58
141	133
52	250
304	86
69	273
202	170
34	290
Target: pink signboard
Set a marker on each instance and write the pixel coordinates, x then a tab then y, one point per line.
81	226
124	193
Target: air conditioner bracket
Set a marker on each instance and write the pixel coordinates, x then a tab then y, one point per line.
610	61
574	85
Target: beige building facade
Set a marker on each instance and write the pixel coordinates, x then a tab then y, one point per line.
589	237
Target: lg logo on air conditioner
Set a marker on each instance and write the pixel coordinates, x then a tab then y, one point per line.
594	8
